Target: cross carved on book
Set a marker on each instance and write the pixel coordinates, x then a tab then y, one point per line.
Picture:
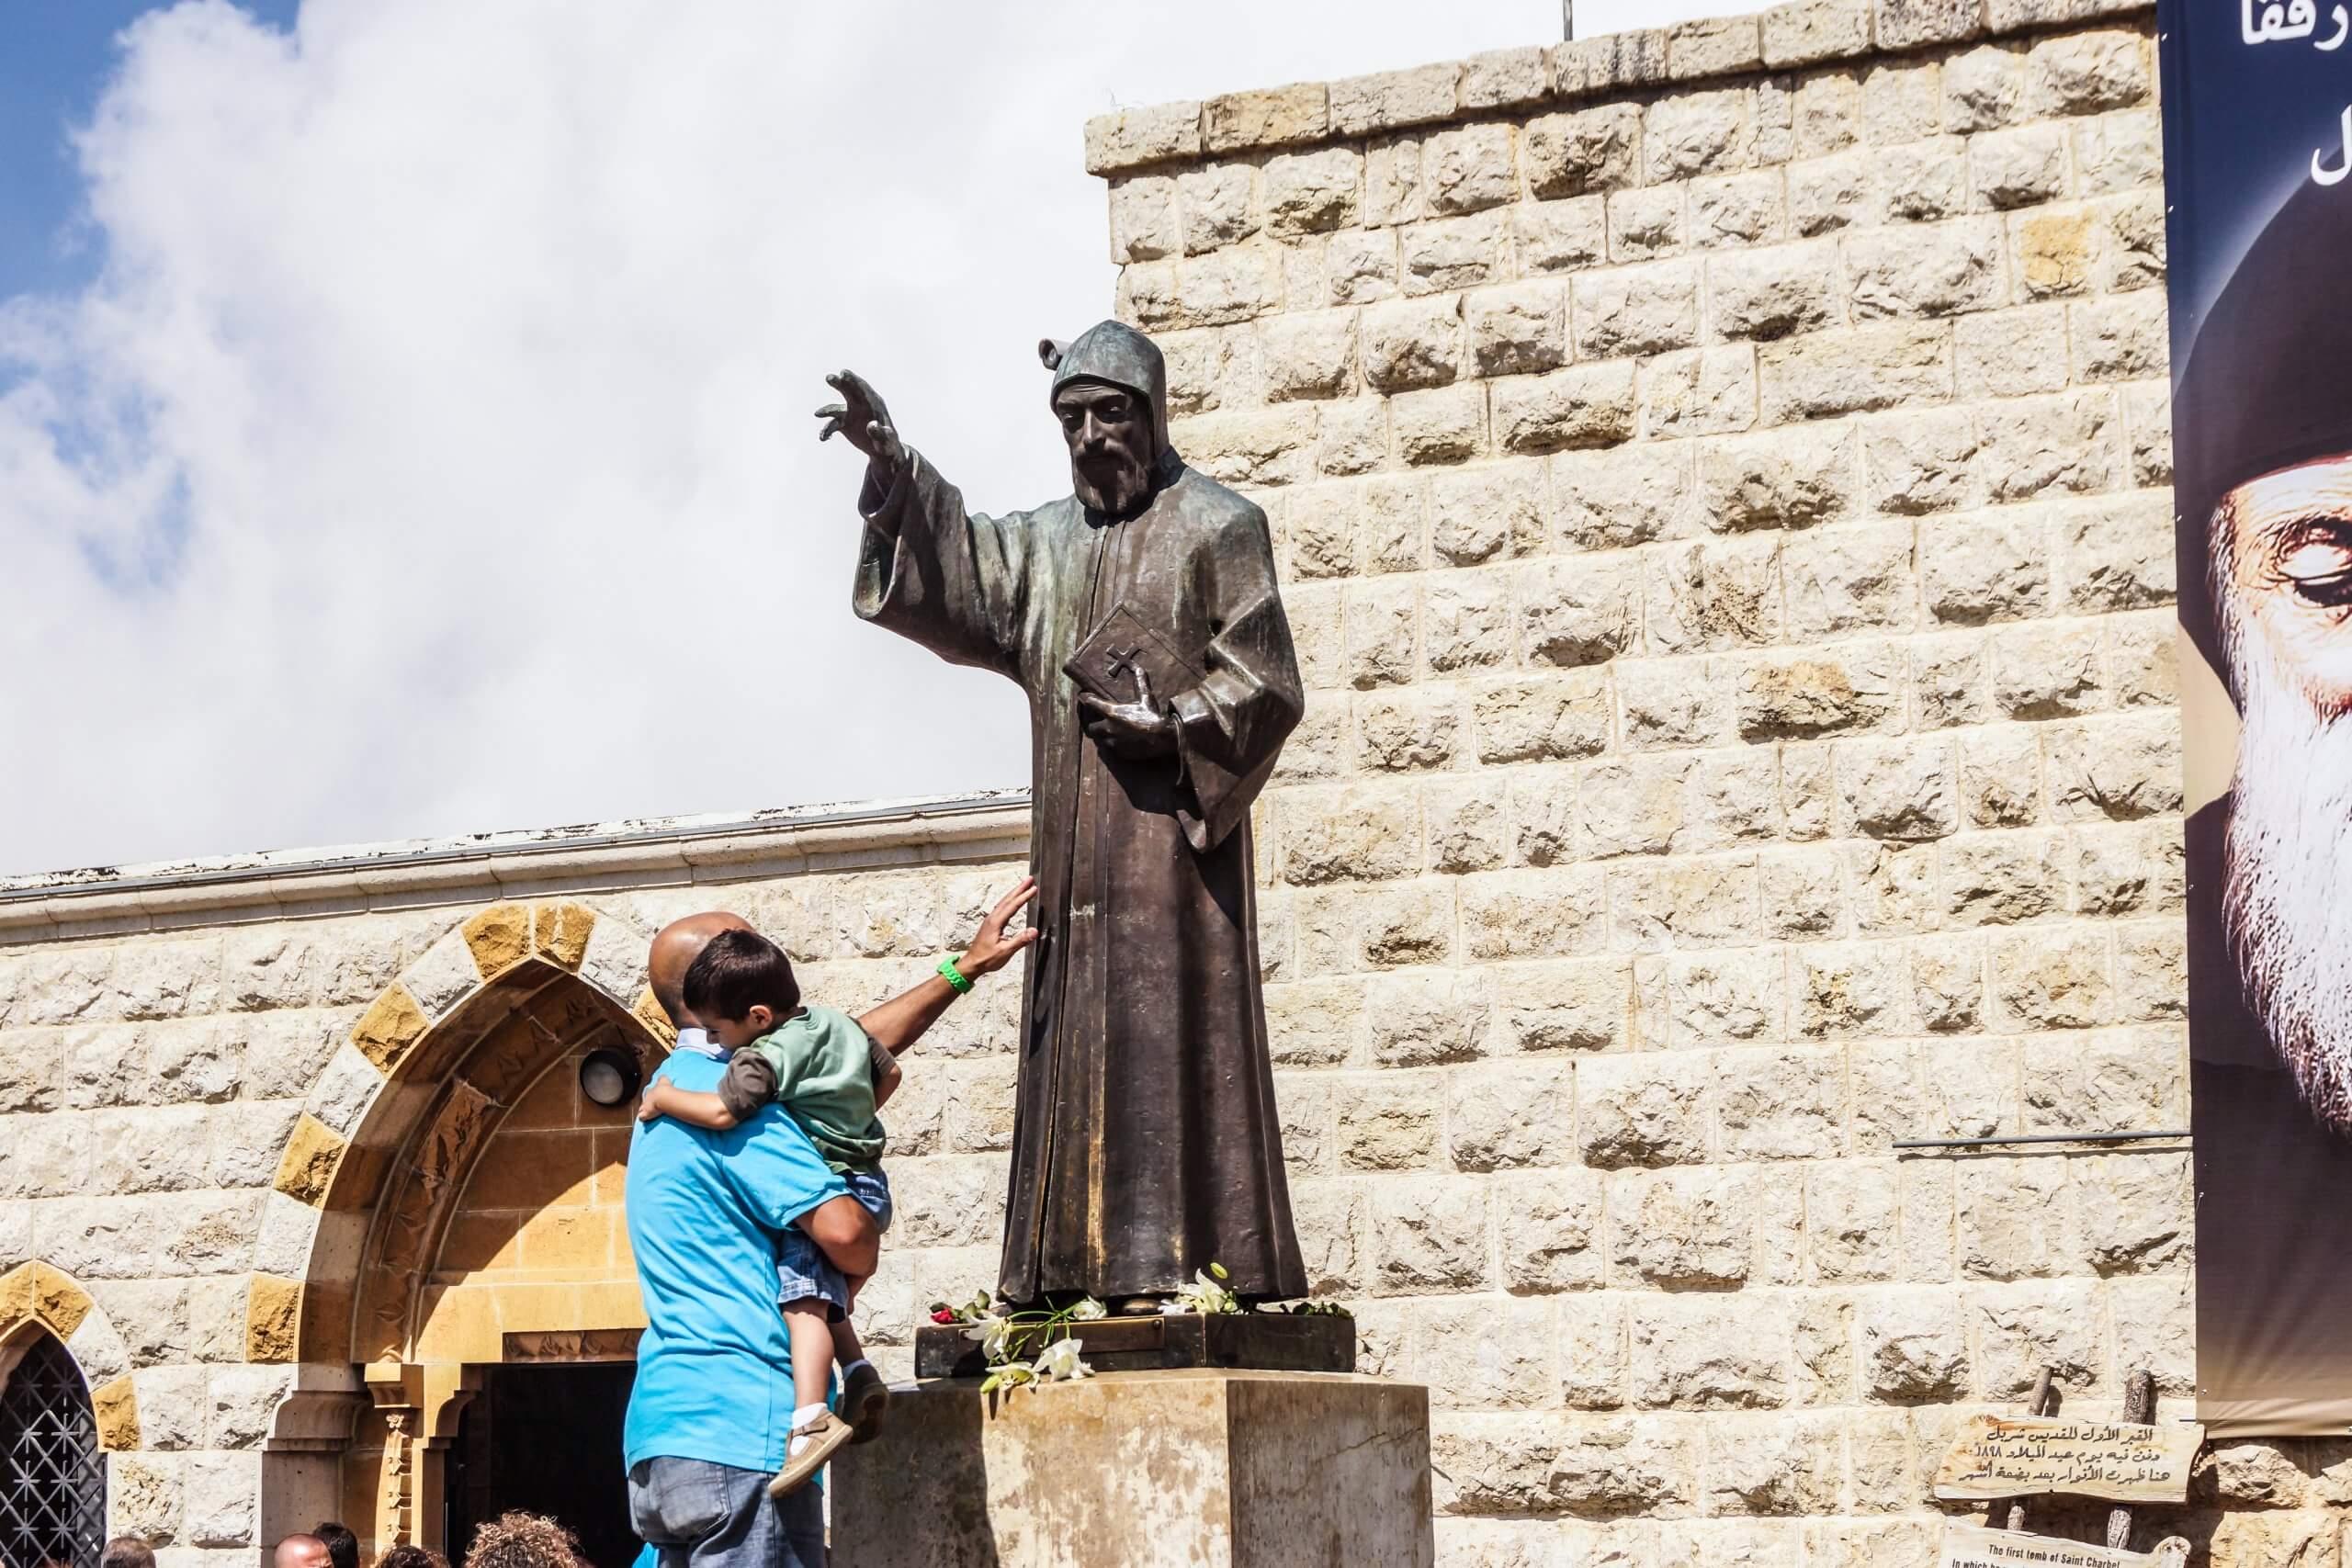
1124	655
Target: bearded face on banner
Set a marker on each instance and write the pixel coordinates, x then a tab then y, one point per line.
2259	210
2282	574
2263	432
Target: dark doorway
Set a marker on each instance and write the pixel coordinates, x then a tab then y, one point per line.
546	1439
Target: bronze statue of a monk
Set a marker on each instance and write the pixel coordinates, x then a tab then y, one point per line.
1145	1141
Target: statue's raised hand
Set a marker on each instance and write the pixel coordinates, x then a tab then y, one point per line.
860	419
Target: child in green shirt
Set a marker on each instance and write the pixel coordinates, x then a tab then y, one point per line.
825	1072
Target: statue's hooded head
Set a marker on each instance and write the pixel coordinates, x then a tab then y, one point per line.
1111	394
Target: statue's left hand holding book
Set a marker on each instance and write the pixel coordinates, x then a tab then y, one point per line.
1125	660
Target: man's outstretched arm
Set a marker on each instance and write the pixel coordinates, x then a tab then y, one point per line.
901	1021
845	1232
778	1175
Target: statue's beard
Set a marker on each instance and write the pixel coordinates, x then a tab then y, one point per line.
1115	483
2287	892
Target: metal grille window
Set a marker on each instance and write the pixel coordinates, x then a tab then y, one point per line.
52	1478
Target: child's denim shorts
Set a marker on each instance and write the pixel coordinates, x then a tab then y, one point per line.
804	1272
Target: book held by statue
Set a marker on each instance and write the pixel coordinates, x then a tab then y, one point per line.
1123	647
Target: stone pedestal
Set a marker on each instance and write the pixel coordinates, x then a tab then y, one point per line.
1201	1468
1266	1341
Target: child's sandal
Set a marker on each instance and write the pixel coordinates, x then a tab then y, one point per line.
825	1433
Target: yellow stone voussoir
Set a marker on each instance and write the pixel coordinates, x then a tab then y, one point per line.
307	1169
16	1296
499	938
117	1410
273	1313
391	1024
649	1013
560	933
57	1301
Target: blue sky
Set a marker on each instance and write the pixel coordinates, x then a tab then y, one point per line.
54	56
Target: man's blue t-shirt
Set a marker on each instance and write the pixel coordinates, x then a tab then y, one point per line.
713	1369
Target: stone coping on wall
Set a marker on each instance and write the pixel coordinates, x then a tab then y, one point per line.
1801	33
639	853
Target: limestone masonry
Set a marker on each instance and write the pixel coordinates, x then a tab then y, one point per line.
1722	477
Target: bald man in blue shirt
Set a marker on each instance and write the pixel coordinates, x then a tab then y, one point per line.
712	1405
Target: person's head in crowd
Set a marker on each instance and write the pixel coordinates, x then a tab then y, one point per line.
342	1546
675	948
524	1540
127	1551
408	1555
2263	423
740	986
301	1552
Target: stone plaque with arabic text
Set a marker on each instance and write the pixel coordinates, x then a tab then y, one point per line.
1996	1456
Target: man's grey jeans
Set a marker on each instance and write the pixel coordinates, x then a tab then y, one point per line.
700	1514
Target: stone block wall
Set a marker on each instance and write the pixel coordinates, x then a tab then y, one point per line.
1720	475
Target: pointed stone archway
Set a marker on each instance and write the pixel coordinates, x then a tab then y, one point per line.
43	1311
37	1297
383	1284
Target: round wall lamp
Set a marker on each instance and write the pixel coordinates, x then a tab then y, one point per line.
610	1076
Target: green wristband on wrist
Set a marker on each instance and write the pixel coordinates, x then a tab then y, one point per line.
955	977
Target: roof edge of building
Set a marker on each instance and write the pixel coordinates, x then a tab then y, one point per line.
1789	37
635	854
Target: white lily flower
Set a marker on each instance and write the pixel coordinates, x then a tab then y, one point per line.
1012	1374
1060	1362
1088	1310
1205	1296
993	1335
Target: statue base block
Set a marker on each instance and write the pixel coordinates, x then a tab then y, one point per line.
1265	1341
1201	1468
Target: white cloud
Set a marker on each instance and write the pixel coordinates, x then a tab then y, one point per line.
434	455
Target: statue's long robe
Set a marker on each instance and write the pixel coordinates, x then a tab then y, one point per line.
1144	1142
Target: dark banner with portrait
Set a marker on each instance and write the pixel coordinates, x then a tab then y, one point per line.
2258	111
